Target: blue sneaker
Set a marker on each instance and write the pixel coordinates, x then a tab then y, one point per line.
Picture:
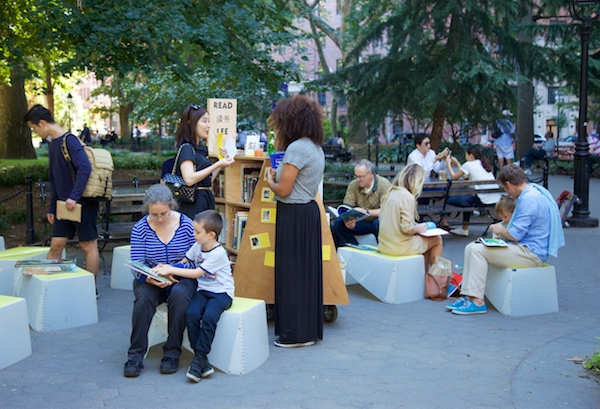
469	308
460	301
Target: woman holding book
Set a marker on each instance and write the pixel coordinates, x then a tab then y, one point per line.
399	233
162	236
193	163
477	167
297	122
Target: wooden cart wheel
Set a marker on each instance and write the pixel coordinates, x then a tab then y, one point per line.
330	313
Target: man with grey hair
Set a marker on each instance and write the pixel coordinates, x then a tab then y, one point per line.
363	193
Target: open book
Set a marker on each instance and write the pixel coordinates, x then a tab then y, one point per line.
492	242
346	212
433	230
145	270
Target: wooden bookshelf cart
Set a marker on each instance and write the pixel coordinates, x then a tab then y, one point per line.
254	250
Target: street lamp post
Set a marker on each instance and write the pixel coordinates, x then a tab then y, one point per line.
581	187
69	103
558	103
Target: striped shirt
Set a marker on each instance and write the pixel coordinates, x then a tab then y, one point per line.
147	248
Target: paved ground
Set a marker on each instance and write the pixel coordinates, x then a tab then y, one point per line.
376	355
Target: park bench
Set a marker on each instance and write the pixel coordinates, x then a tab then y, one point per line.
439	192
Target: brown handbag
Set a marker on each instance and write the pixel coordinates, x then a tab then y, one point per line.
438	279
436	286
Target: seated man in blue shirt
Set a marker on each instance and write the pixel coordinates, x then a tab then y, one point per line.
534	232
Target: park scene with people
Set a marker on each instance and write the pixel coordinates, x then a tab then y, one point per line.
304	204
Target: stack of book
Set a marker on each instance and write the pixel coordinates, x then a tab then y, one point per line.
32	267
238	228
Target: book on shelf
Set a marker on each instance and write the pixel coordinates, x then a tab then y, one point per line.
433	230
250	173
346	212
219	185
145	270
223	235
492	242
238	228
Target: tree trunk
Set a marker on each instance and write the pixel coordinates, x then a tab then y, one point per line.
525	101
124	111
438	126
49	87
15	135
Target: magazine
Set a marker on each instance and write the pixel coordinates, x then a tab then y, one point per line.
43	262
346	212
144	269
433	230
47	269
492	242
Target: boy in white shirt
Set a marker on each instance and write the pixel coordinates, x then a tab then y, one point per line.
215	288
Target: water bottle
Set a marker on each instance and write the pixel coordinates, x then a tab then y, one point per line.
271	143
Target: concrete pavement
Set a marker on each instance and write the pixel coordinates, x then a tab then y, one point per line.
376	355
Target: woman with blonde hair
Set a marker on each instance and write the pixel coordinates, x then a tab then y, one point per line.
399	232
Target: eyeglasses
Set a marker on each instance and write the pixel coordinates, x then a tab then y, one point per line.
361	176
427	143
158	216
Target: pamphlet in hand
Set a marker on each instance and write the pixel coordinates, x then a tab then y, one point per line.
492	242
145	270
276	159
346	212
433	230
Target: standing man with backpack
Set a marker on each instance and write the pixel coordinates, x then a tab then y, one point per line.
504	136
66	188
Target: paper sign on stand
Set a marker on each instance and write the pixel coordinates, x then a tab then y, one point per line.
223	120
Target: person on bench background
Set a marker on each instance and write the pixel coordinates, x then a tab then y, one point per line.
363	193
164	236
538	151
533	232
477	167
400	233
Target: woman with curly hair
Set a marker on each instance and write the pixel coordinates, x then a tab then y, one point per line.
298	126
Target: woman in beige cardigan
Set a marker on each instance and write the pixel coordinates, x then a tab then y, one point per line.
399	232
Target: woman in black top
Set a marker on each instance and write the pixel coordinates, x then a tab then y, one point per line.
193	164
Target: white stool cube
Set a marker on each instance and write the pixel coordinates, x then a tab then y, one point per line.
59	301
241	342
8	272
2	245
15	342
392	279
523	290
120	275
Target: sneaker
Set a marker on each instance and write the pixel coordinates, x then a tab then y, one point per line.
527	171
460	232
169	365
294	345
469	308
132	368
460	301
194	373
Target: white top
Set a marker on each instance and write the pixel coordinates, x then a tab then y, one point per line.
475	171
426	162
217	276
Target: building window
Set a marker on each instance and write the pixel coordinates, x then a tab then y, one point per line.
342	101
552	94
322	98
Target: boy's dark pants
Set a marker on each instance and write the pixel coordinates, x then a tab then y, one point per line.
202	317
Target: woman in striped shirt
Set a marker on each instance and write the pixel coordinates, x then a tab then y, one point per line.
162	236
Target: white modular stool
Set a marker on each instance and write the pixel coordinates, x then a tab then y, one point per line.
241	342
392	279
120	275
15	341
8	271
2	245
59	301
522	290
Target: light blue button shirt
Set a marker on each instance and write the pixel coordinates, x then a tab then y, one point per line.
530	222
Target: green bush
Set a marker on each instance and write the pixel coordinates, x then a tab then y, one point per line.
14	172
593	363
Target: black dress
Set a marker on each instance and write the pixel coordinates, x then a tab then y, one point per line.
204	197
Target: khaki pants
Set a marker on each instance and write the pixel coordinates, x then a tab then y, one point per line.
478	257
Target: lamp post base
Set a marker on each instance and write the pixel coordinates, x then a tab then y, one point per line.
582	221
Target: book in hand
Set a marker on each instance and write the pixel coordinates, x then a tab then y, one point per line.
276	159
492	242
433	230
145	270
346	212
62	213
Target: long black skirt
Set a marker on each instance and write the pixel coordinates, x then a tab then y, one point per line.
298	273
